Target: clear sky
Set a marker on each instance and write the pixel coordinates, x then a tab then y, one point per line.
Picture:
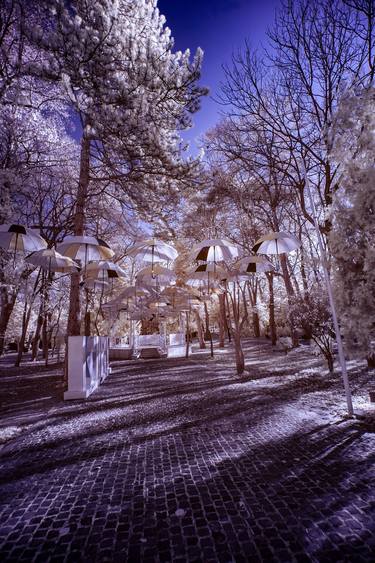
219	27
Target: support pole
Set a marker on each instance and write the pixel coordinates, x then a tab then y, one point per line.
331	301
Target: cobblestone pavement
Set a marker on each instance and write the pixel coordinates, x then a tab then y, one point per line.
177	460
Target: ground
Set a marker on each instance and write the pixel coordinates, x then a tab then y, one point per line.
181	460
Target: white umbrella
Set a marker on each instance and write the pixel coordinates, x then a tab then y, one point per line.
157	272
276	243
207	273
50	260
254	265
14	238
104	269
214	250
85	248
153	251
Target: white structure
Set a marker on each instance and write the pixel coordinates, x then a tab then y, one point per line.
88	365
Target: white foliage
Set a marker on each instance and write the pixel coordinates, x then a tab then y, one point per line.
353	233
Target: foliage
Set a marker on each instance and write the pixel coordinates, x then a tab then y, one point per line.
312	314
352	239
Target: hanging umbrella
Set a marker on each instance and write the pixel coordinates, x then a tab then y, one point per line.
50	260
214	250
85	248
276	243
104	269
14	238
153	251
207	273
254	265
158	273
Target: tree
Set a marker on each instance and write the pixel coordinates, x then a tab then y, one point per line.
352	239
131	94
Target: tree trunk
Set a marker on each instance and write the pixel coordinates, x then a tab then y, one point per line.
74	319
198	321
25	323
329	359
290	295
187	335
227	320
45	339
253	300
36	338
222	320
207	334
256	324
272	323
7	306
240	358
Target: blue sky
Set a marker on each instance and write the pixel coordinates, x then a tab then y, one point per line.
219	27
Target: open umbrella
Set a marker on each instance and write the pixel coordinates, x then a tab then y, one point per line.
85	248
104	269
17	238
254	265
207	273
49	259
157	272
152	250
276	243
214	250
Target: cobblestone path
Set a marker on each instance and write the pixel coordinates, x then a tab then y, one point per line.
176	460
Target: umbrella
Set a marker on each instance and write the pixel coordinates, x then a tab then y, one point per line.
104	269
276	243
204	272
49	259
161	274
19	238
85	248
254	265
153	250
214	250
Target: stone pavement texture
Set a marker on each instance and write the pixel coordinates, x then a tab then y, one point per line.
177	460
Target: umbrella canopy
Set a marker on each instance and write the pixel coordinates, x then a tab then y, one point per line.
254	265
204	271
19	238
50	260
161	274
214	250
276	243
237	277
153	251
104	269
85	248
